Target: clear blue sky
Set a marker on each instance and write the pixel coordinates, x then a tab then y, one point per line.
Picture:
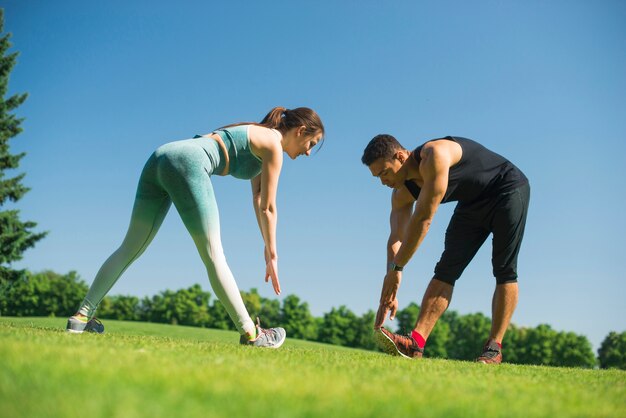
542	83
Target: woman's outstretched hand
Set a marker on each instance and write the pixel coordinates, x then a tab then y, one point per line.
271	272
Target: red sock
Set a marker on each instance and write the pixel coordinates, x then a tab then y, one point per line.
421	342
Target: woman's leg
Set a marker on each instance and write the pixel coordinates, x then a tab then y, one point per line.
151	205
194	198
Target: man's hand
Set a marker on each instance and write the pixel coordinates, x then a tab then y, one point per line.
391	284
388	300
383	310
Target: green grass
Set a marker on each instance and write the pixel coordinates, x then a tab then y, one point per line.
153	370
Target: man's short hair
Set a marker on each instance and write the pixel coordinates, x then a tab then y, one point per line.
381	146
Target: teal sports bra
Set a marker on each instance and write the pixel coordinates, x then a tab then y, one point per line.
243	163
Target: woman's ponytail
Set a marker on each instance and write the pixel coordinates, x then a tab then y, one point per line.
274	119
284	119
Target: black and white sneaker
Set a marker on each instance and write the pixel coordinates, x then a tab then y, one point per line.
78	325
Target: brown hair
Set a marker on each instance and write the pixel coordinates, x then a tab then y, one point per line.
283	119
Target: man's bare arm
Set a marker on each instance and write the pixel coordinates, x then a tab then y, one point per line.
434	169
401	211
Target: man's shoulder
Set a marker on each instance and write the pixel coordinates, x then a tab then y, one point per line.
446	147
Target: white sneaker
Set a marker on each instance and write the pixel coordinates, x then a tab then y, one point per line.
266	338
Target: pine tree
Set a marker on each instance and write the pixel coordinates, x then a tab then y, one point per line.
15	236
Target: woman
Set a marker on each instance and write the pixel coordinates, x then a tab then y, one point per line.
179	173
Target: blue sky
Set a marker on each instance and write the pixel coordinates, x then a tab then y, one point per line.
541	83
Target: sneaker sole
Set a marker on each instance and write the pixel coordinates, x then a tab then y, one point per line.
280	343
387	345
487	362
73	331
72	325
277	345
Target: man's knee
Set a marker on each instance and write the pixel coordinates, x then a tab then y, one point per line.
447	273
505	272
506	280
445	279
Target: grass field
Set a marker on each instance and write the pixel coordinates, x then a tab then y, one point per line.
153	370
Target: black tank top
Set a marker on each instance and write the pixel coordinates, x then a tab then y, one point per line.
481	173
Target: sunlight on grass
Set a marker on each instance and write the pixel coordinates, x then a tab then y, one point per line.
155	370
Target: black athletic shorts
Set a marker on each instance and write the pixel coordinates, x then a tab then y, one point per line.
504	216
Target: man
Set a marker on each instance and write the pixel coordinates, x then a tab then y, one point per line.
492	196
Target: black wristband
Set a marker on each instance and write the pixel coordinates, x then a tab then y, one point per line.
393	266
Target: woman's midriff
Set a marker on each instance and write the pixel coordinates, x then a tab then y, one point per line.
222	146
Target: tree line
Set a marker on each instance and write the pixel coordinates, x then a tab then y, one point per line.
455	336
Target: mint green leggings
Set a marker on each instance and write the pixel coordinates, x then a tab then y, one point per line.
179	173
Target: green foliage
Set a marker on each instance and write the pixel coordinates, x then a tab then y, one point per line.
123	308
15	236
253	301
337	327
297	319
544	346
536	345
269	314
439	340
407	317
572	350
42	294
364	326
185	307
267	310
469	333
219	317
612	351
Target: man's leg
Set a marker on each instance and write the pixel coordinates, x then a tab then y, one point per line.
435	302
502	308
464	237
507	223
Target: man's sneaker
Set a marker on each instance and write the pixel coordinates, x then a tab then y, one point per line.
267	338
397	345
77	325
492	353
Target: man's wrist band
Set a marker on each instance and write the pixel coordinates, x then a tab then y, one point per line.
393	266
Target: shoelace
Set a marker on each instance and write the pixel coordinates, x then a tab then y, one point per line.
413	344
93	323
263	331
490	352
406	340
